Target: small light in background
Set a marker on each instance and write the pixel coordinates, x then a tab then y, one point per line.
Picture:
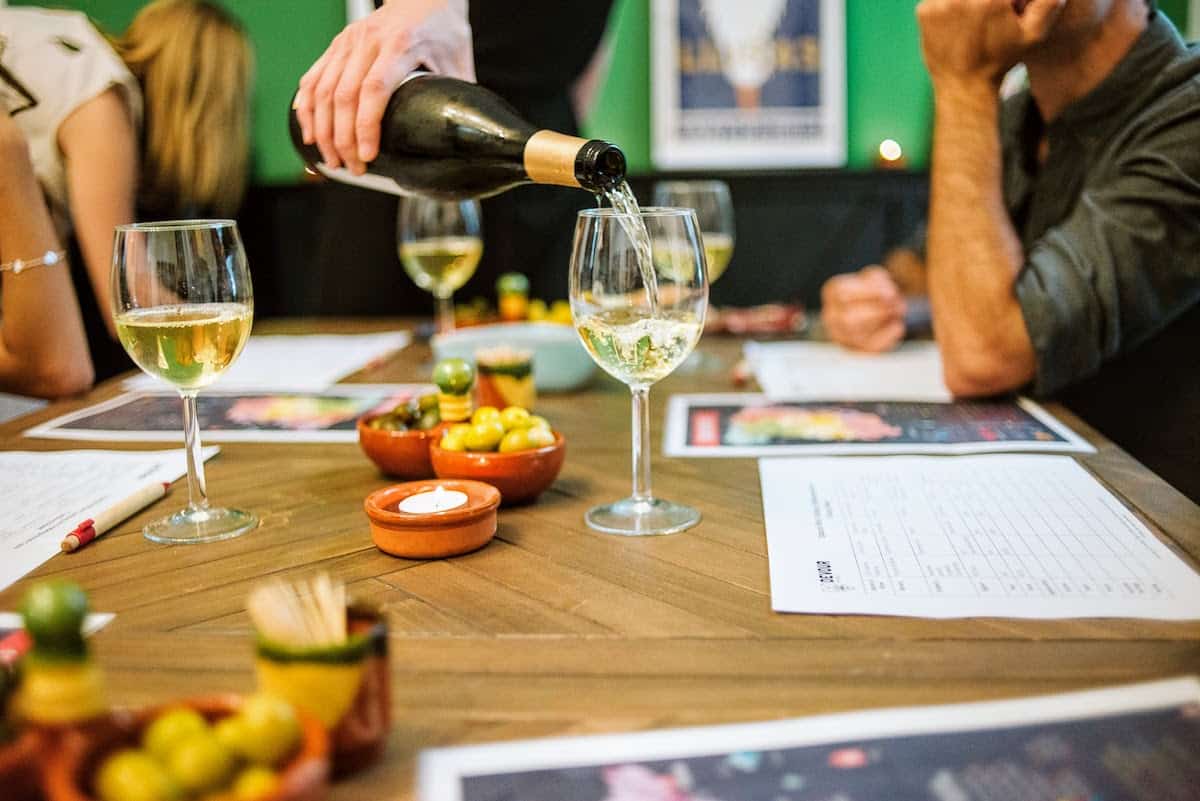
890	155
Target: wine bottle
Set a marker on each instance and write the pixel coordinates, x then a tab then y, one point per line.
449	139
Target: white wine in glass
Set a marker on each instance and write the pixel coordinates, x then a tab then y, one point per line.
440	246
183	306
714	211
639	322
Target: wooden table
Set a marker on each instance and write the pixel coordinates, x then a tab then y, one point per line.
554	629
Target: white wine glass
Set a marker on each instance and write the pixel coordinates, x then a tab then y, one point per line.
714	211
183	305
440	246
639	291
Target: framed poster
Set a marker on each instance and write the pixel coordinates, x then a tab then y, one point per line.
748	83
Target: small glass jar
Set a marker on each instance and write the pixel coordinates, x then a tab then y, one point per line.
504	377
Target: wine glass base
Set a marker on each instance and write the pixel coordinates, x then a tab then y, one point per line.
642	518
191	526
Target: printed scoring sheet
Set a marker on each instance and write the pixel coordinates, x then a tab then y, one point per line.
1031	536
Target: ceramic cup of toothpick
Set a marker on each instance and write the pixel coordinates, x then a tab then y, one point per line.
329	656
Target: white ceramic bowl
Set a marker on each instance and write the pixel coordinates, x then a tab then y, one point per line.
560	363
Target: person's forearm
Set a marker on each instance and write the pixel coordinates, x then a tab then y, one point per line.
974	253
102	175
43	349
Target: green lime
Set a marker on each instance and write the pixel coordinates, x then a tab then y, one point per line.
485	414
132	775
199	762
453	376
515	440
270	728
484	436
169	729
514	417
254	782
54	613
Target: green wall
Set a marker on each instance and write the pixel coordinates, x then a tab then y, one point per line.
887	90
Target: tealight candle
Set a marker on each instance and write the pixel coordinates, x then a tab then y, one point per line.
432	519
438	500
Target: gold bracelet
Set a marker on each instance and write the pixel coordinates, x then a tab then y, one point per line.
19	266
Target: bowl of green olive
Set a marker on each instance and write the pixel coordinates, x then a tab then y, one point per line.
398	440
514	451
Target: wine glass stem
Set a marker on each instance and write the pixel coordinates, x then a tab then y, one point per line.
641	443
197	488
445	313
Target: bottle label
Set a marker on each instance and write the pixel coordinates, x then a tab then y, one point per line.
550	158
378	183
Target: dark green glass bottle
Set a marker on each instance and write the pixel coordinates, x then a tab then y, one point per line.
449	139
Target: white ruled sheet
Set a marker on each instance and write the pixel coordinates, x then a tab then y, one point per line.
1004	535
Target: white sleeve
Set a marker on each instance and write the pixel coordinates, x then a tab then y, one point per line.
97	68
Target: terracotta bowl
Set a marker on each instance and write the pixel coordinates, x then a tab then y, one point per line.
520	476
69	769
436	534
403	454
19	762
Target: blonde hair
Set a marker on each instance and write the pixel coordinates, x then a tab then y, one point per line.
195	66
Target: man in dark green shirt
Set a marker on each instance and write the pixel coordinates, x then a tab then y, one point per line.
1064	226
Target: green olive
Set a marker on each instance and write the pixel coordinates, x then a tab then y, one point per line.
539	437
484	436
512	284
54	613
454	376
515	440
514	417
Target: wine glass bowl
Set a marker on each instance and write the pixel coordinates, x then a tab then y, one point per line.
639	292
183	305
440	245
714	212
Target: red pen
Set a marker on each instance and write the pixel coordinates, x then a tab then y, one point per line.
92	528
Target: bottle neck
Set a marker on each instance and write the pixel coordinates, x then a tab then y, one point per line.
550	158
561	160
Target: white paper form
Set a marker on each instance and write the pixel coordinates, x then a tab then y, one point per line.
828	372
47	494
1001	535
308	362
